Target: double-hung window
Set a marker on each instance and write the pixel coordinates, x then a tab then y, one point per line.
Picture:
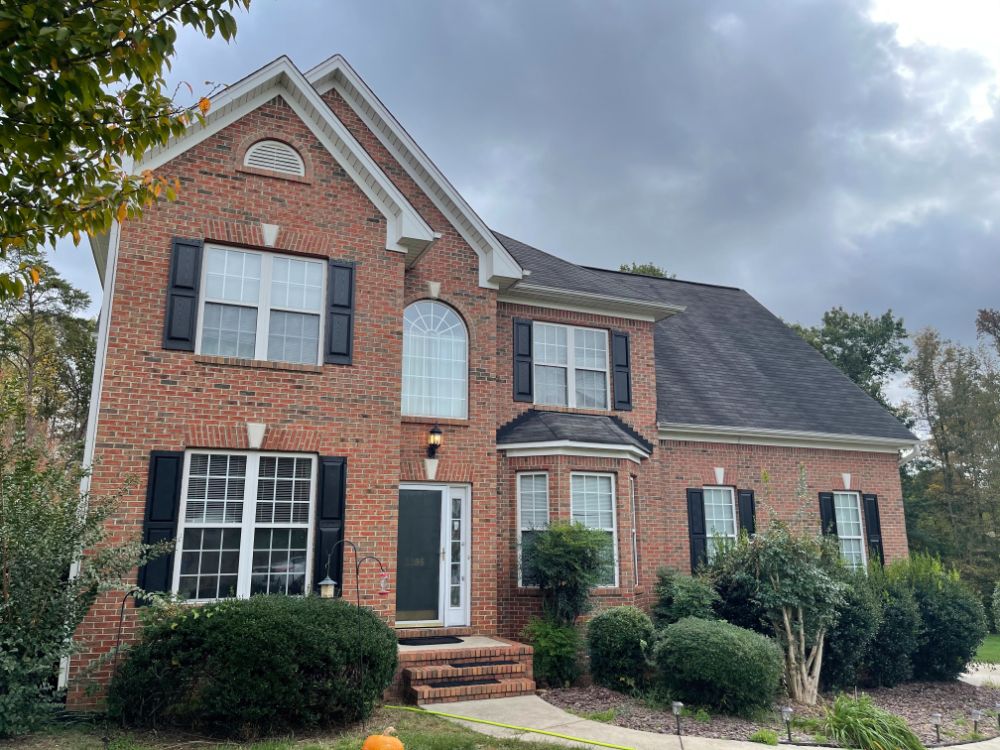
532	517
592	503
570	366
261	306
245	521
720	517
850	532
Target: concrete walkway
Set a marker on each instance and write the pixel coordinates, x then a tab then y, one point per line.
532	711
983	674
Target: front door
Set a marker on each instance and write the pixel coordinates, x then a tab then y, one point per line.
432	563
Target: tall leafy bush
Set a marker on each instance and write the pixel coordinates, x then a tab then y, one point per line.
251	667
679	596
557	651
565	563
857	622
888	659
45	524
996	608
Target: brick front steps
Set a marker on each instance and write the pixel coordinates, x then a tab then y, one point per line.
482	667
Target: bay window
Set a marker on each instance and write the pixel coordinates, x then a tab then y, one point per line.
532	517
592	503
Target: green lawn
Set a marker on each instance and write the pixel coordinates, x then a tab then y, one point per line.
416	732
990	650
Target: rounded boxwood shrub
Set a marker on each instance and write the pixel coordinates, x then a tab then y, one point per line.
256	666
954	624
709	662
557	651
888	659
619	640
679	596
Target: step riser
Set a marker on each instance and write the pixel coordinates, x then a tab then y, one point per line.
503	689
423	675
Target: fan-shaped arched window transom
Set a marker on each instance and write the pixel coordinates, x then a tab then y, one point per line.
435	362
275	156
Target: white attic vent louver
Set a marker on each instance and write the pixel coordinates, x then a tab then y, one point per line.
274	156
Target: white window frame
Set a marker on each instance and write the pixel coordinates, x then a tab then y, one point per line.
263	306
249	522
465	394
520	524
571	367
614	518
861	524
709	550
633	511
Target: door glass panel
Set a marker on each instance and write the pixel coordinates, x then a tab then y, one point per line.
418	556
455	559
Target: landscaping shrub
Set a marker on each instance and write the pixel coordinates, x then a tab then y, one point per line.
619	640
996	608
557	651
861	724
256	666
734	583
565	563
679	596
764	737
714	663
952	616
858	620
888	658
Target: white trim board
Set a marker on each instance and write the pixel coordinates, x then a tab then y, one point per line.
497	267
535	295
574	448
781	438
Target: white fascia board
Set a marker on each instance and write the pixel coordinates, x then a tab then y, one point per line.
574	448
407	232
588	302
497	267
781	438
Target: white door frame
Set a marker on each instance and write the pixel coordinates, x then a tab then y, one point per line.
449	616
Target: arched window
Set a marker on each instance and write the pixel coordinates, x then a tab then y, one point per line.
435	362
274	156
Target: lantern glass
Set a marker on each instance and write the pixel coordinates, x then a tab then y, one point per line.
677	707
434	436
936	718
786	713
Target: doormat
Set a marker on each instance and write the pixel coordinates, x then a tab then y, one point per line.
463	683
430	640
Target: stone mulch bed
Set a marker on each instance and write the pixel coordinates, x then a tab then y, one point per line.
914	702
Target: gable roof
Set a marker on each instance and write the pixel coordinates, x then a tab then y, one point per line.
497	268
726	366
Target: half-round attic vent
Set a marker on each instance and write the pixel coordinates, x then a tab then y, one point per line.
274	156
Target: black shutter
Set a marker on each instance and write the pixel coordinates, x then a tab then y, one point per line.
696	528
827	515
182	295
163	499
621	371
340	314
330	519
873	527
522	361
748	511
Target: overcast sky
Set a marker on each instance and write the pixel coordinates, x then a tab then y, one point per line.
814	153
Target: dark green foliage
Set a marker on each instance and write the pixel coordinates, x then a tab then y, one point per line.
952	616
620	639
888	659
996	608
714	663
557	651
858	620
646	269
736	586
679	596
860	723
257	666
565	563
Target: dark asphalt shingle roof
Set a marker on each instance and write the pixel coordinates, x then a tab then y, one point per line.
535	426
726	361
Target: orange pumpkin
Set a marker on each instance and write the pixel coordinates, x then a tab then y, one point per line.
384	741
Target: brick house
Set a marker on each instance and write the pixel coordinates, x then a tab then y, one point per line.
278	346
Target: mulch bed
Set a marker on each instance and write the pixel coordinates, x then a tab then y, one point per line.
913	701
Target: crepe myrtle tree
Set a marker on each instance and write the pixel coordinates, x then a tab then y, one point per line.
795	583
82	96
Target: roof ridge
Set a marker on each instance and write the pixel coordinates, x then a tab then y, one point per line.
661	278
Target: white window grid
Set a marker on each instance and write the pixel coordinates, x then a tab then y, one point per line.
259	286
592	503
850	529
720	517
532	510
633	512
435	362
245	525
567	359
